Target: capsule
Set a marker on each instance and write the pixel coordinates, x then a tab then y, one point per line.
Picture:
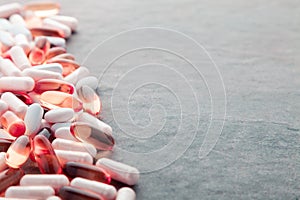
69	66
6	136
10	177
36	56
71	22
59	115
14	103
42	43
6	40
5	24
64	133
47	22
89	133
33	118
16	84
56	181
68	145
53	67
119	171
22	41
47	133
3	107
126	193
65	56
67	193
54	51
56	41
87	171
42	9
37	75
53	85
56	126
104	190
19	57
91	101
18	152
53	198
19	29
13	124
43	31
3	165
35	192
45	156
17	19
76	75
8	68
76	156
4	144
9	9
90	81
23	96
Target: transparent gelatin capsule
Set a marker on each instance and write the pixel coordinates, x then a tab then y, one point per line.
13	124
89	133
36	56
43	31
54	51
10	177
91	101
68	65
53	85
42	9
68	193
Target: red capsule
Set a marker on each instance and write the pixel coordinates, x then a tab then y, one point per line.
53	85
24	97
13	124
45	156
10	177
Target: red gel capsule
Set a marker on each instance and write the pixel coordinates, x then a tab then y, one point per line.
67	193
10	177
53	85
13	124
65	56
86	132
42	9
45	156
91	172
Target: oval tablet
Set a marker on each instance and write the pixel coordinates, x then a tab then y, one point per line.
59	115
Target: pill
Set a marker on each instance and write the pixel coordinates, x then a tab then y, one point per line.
76	156
3	107
59	115
119	171
8	68
89	133
91	101
69	66
16	84
64	133
33	118
53	67
54	51
67	193
47	133
23	96
45	156
42	43
126	193
42	9
6	40
3	165
19	57
56	126
71	22
53	198
17	19
87	171
36	192
65	56
3	198
47	22
41	74
13	124
106	191
5	24
68	145
56	41
56	181
43	31
4	144
18	152
5	135
36	56
10	177
16	29
77	75
90	81
9	9
22	41
13	102
53	85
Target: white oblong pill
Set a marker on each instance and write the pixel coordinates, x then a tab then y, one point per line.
10	83
56	41
3	107
59	115
33	119
35	192
69	21
14	103
7	10
119	171
75	156
7	40
41	74
17	19
53	67
126	193
64	133
22	41
90	81
5	24
76	75
19	29
53	198
55	181
47	22
104	190
68	145
19	57
3	165
8	68
56	126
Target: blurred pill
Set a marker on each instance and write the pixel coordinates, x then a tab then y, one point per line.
57	25
19	57
59	115
71	22
56	181
14	103
42	9
7	10
35	192
126	193
75	156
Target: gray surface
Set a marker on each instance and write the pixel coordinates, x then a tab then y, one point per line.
256	46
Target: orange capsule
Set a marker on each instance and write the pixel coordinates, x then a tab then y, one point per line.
43	31
36	56
18	152
53	85
42	9
54	51
13	124
68	65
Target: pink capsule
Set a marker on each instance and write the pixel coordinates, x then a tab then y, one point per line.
42	43
13	124
19	57
54	51
8	68
73	156
91	101
42	9
36	56
68	65
24	97
43	31
9	9
65	56
57	25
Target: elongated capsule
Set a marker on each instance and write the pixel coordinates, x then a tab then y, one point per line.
18	152
16	84
33	118
65	133
53	198
8	68
37	75
68	145
45	31
76	156
54	51
45	156
17	19
42	9
56	41
42	43
47	22
13	124
126	193
53	85
65	56
35	192
6	41
56	181
19	57
5	24
14	103
23	96
104	190
59	115
89	133
71	22
3	165
36	56
67	193
90	81
22	41
119	171
3	107
9	9
10	177
68	65
56	126
4	144
76	75
53	67
91	101
19	29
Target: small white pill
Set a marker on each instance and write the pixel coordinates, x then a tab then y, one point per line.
19	29
106	191
126	193
9	9
5	24
57	25
76	75
14	103
10	83
55	181
56	126
64	133
17	19
19	57
53	198
90	81
59	115
57	41
41	74
8	68
53	67
68	145
6	40
3	165
22	41
71	22
119	171
33	118
35	192
75	156
3	107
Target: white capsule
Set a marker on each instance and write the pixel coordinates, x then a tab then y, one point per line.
104	190
57	25
59	115
9	9
71	22
10	83
90	81
126	193
5	24
19	29
68	145
75	156
17	19
37	74
5	135
6	40
76	75
33	118
55	181
22	41
8	68
56	126
64	133
3	165
53	198
56	41
14	103
35	192
4	198
53	67
3	107
19	57
119	171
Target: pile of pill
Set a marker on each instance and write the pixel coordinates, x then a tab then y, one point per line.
49	114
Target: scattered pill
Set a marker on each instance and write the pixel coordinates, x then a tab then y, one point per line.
126	193
42	9
78	74
75	156
37	75
53	67
8	68
47	22
10	177
53	85
71	22
69	66
33	118
14	103
19	57
9	83
8	9
54	51
59	115
91	101
90	81
13	124
35	192
64	133
22	41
